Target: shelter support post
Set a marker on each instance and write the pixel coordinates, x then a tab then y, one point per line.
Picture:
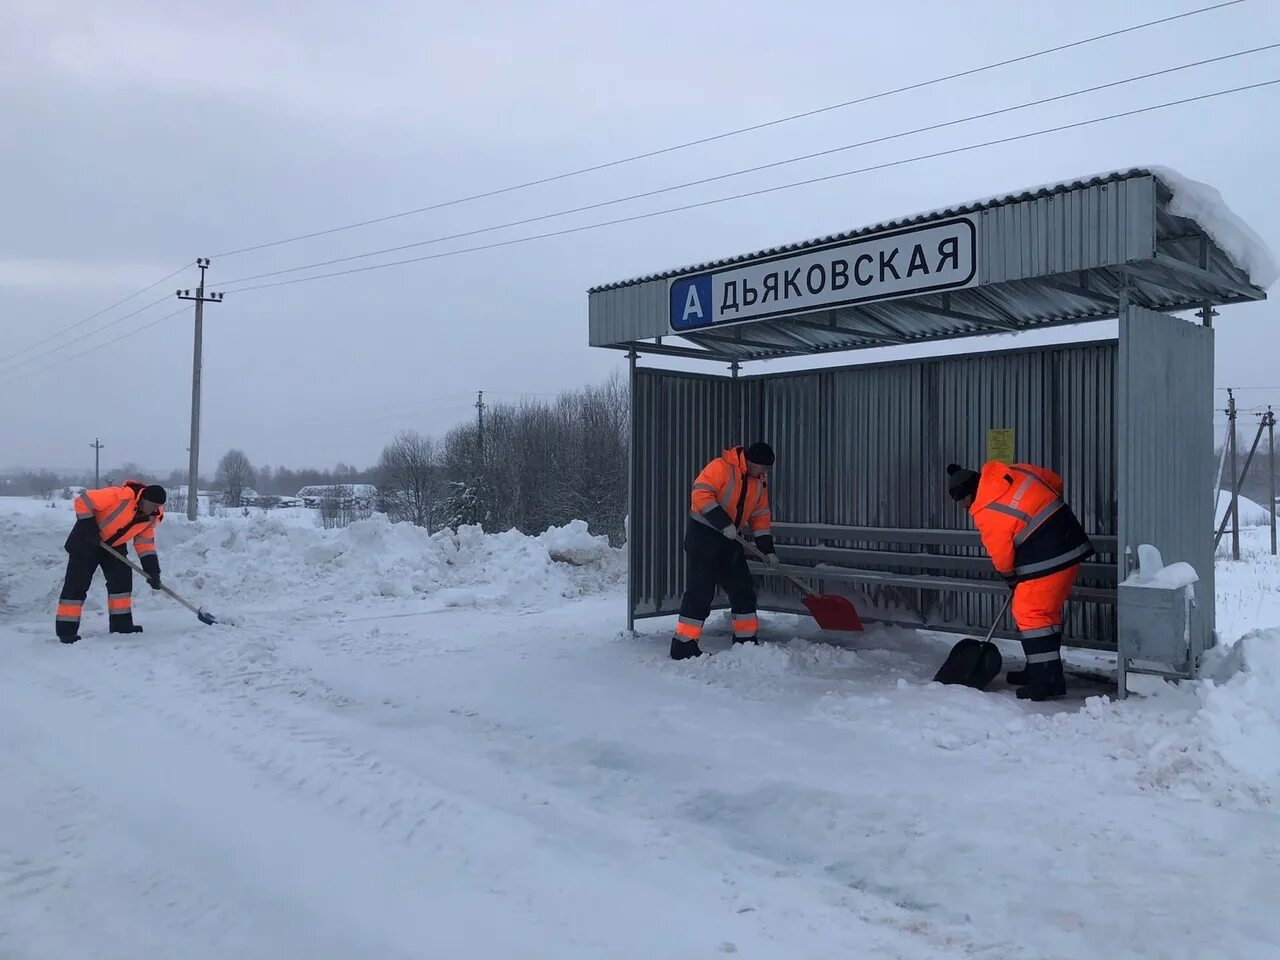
632	356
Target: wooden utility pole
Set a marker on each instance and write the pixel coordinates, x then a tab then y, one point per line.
1271	444
97	451
193	466
1238	484
480	431
1235	477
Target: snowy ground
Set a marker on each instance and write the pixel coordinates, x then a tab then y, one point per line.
439	748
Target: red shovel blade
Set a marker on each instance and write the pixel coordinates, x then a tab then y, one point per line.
832	612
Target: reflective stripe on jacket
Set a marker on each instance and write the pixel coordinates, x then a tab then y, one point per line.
116	511
724	484
1026	527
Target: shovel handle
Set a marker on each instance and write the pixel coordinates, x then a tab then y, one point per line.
999	616
759	555
123	559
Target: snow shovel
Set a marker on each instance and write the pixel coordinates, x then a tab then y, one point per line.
830	611
972	662
201	613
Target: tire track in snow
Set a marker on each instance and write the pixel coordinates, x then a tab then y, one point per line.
549	906
57	839
357	785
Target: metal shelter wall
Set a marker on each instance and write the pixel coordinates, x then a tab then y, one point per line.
868	446
1165	459
678	422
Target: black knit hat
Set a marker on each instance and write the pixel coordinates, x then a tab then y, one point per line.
761	453
961	483
154	493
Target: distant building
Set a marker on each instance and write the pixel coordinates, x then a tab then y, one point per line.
347	494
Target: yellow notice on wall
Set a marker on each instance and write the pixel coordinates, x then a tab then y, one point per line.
1000	444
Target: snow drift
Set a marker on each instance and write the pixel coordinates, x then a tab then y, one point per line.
1251	514
238	562
386	788
1229	752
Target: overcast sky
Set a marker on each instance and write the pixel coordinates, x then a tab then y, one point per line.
138	135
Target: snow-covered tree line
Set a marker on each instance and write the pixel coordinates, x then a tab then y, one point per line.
542	465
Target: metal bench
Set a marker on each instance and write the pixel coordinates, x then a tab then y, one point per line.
900	561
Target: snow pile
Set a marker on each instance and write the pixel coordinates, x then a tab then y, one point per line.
1230	750
1251	514
573	544
1202	203
240	562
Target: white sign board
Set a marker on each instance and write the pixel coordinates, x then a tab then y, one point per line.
935	256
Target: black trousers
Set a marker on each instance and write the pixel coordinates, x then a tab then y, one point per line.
81	567
712	561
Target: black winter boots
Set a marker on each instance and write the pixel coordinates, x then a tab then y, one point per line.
1044	682
684	649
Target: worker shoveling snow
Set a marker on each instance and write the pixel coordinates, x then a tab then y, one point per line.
410	736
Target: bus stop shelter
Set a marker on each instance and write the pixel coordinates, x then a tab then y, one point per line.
858	490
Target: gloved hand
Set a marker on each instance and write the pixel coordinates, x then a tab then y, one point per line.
730	532
772	559
1010	580
151	566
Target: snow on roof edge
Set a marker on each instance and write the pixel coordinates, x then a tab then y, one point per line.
1202	203
1191	198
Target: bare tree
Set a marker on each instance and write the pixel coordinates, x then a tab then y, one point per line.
235	473
409	479
42	483
590	479
544	464
127	471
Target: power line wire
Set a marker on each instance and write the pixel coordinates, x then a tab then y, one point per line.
768	190
399	412
756	169
74	356
93	332
92	316
732	133
392	408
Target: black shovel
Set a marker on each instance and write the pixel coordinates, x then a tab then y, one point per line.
972	662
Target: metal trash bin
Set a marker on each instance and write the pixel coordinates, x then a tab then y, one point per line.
1155	604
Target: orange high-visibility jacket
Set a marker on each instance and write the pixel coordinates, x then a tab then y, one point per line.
723	493
116	510
1027	528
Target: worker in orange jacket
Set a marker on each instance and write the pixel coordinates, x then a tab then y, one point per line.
729	495
113	516
1037	544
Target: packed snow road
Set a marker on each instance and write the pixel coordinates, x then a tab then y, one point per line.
491	768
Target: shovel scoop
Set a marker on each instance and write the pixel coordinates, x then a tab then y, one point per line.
829	611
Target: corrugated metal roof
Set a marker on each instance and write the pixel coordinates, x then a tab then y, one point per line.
911	220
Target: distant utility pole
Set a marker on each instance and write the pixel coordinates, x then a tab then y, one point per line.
97	451
193	466
480	431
